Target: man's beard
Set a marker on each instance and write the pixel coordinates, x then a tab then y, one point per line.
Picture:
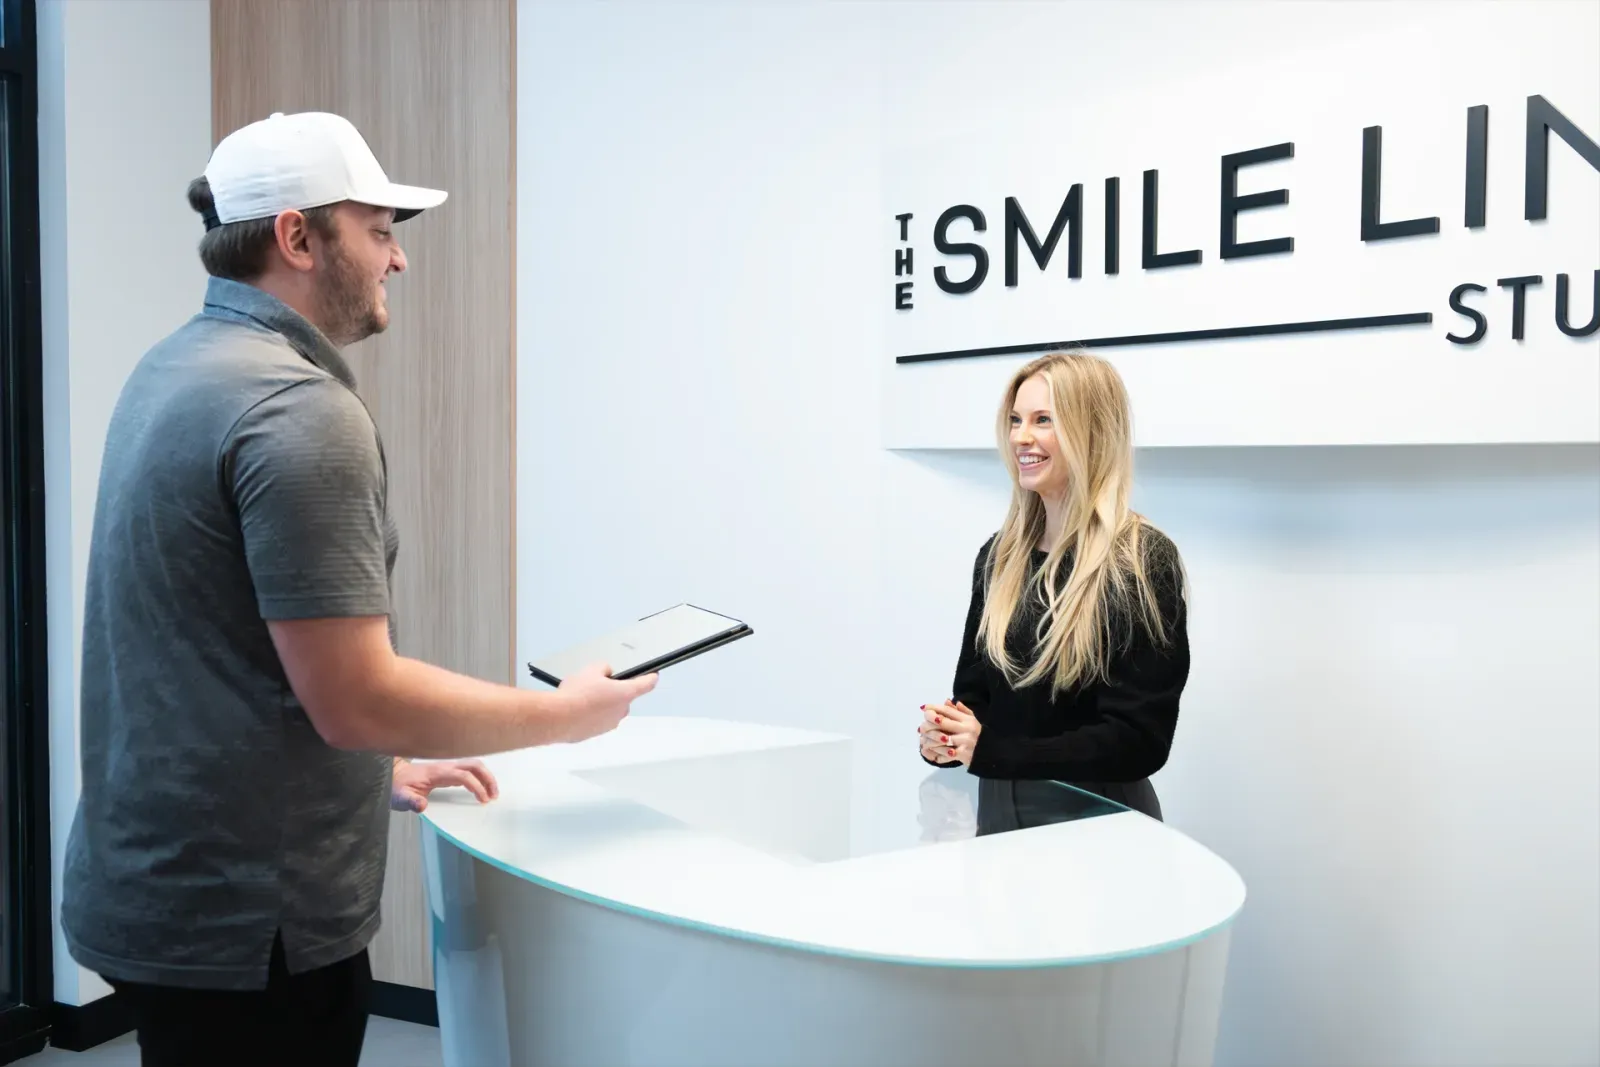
349	308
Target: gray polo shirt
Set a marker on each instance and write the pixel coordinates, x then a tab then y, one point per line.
243	481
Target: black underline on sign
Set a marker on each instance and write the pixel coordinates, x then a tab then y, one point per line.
1369	322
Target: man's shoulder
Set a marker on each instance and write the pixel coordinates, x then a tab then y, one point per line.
234	348
247	374
300	421
210	365
310	407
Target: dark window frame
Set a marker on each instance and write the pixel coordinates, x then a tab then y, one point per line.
25	741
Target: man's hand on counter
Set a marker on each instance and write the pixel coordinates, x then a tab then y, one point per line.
414	781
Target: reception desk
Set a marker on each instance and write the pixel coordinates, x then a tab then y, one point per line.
703	893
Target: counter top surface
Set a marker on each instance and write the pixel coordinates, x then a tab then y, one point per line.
821	843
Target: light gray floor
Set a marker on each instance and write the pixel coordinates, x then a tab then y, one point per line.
389	1044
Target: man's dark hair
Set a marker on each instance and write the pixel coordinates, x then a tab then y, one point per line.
238	250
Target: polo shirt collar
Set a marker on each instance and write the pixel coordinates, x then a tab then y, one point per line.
240	302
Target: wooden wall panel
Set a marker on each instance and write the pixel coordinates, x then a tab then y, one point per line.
431	85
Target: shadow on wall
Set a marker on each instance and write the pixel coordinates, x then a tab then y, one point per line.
1377	496
1377	508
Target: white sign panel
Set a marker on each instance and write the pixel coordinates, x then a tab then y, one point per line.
1393	244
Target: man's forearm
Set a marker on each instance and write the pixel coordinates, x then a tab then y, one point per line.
418	710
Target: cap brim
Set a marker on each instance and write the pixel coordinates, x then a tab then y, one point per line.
408	201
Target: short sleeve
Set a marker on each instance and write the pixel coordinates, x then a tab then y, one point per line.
307	481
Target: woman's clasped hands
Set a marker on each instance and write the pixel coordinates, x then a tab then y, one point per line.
949	731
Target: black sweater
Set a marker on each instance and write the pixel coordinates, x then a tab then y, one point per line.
1099	732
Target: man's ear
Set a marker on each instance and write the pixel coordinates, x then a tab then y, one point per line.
294	240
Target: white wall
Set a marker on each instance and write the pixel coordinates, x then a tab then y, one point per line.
124	124
1392	724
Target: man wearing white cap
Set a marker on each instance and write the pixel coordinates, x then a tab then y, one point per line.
242	701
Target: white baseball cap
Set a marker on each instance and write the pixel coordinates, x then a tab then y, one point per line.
301	161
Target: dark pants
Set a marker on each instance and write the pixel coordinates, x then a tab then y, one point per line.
315	1019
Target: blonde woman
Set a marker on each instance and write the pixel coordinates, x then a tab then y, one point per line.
1076	647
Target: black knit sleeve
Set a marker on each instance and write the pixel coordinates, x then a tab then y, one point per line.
971	684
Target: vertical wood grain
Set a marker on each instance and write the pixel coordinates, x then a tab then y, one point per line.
431	85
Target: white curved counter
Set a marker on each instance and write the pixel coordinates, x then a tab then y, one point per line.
699	892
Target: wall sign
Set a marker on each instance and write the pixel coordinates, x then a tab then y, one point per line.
961	261
1390	238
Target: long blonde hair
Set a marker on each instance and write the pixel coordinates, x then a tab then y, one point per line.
1114	549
